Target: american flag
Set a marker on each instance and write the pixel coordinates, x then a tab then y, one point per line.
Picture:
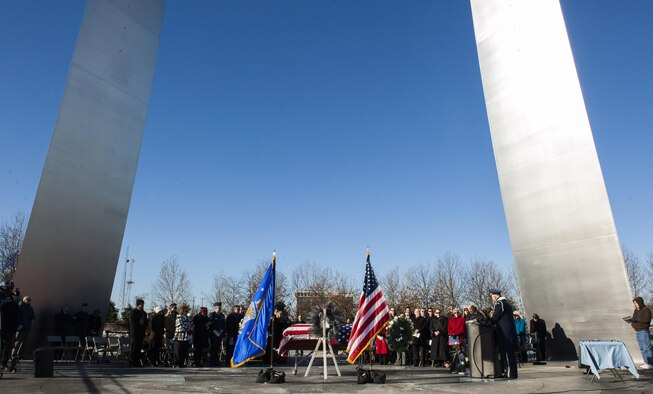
344	332
372	315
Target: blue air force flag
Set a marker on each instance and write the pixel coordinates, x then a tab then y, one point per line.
253	334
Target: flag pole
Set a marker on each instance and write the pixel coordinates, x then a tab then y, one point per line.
274	299
370	352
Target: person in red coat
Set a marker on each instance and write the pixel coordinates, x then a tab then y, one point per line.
381	346
456	325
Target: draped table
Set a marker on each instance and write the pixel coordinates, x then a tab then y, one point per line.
611	355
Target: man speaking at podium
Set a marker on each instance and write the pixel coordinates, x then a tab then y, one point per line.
506	334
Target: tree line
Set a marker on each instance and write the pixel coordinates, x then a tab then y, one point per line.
447	281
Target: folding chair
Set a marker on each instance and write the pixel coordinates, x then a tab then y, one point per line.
125	345
113	346
55	342
101	347
72	344
89	349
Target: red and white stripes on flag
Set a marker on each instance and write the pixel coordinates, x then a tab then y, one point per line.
371	317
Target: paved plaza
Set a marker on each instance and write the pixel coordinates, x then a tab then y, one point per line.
555	377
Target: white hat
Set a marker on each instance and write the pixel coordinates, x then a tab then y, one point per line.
157	309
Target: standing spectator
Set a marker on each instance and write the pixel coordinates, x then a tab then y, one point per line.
137	328
505	333
9	322
280	322
520	329
381	347
24	327
427	334
95	324
200	335
157	325
171	320
420	337
216	332
392	355
474	314
81	323
456	325
232	325
405	358
439	337
63	323
641	321
183	332
538	331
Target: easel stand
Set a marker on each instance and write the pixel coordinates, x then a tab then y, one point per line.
324	341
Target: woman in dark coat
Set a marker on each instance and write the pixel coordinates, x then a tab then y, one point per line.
439	337
538	330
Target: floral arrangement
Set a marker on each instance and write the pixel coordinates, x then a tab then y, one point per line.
316	317
400	333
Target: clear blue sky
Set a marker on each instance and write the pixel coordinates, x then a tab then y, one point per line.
321	127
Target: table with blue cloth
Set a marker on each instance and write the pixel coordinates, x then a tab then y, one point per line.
611	355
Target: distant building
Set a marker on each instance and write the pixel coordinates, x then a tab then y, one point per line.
307	300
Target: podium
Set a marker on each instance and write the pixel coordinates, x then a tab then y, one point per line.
483	361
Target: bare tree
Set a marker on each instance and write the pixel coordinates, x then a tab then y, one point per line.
173	284
252	279
449	273
421	286
228	290
392	287
12	233
482	275
636	273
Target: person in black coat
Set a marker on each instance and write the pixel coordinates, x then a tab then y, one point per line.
9	322
232	325
420	339
24	327
506	334
63	323
137	328
538	331
439	337
216	332
95	324
157	330
200	335
81	322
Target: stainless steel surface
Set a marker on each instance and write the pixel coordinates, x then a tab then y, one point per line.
76	227
567	253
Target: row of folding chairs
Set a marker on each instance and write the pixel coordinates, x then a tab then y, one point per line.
106	349
70	348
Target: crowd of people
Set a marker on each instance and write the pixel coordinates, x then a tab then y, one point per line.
439	335
169	334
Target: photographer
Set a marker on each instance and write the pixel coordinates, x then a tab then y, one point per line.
9	320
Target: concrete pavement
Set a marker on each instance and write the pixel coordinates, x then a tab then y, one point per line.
555	377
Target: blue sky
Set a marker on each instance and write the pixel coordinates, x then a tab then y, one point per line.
318	128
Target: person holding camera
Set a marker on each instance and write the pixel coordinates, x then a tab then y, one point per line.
9	321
